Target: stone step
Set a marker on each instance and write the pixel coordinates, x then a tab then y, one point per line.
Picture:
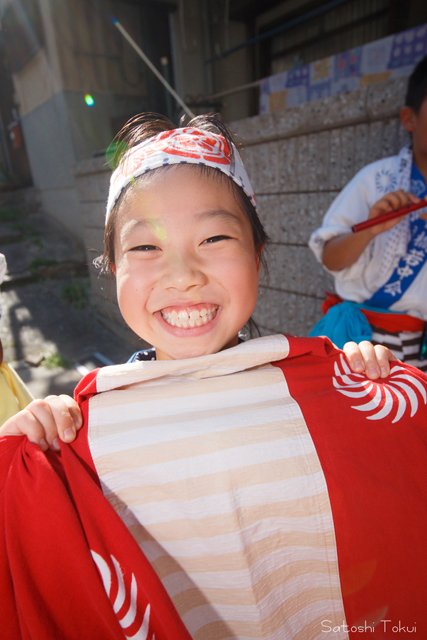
26	198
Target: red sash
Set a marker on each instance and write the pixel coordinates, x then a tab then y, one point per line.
390	322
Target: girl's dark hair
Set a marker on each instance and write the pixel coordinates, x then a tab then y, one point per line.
417	86
147	125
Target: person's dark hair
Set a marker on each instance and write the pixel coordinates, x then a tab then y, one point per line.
417	86
147	125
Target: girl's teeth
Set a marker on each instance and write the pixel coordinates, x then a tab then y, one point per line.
195	318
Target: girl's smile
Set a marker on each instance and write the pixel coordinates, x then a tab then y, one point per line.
190	317
185	261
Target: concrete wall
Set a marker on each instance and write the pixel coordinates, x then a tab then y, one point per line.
298	160
81	54
92	179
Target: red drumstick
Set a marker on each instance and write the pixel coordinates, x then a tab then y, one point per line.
384	217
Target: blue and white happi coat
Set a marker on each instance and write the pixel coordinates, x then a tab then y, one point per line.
394	263
391	274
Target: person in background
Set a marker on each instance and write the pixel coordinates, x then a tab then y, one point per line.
14	395
381	272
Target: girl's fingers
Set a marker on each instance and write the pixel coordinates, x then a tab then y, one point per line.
36	422
74	410
362	359
376	359
384	356
354	357
366	358
66	417
44	422
49	414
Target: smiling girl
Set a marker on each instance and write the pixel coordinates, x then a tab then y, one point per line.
185	260
226	489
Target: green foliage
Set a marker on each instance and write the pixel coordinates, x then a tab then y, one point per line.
37	263
9	215
56	361
28	231
77	293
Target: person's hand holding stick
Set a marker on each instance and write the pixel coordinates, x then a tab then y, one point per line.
344	250
389	215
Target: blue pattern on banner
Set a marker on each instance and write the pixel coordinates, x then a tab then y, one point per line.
319	91
408	48
298	76
388	57
410	264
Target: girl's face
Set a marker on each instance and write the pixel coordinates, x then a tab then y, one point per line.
187	273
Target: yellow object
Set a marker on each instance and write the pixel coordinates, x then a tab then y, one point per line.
14	395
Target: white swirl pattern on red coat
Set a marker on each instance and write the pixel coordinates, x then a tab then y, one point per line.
399	392
128	618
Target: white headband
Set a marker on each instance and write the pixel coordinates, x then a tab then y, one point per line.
179	146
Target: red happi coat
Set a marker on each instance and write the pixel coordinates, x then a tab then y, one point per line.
70	568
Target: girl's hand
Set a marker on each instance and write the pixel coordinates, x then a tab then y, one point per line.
44	421
390	202
373	361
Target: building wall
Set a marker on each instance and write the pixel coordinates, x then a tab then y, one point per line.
298	160
199	32
82	53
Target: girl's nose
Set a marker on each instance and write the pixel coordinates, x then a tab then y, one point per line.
182	272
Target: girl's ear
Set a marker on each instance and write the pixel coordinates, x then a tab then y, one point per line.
407	118
113	268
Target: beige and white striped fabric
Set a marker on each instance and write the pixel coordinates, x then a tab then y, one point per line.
209	463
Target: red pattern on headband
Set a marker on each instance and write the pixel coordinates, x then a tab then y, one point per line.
190	143
186	143
179	146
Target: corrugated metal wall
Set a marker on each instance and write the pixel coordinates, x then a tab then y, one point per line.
345	27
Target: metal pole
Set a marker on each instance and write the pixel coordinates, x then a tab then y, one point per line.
151	66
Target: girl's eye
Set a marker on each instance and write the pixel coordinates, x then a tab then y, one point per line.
144	247
216	239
